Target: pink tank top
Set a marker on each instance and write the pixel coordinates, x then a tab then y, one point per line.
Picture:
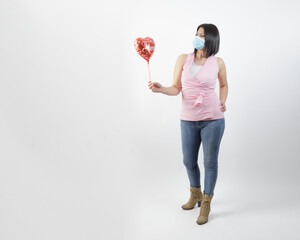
199	99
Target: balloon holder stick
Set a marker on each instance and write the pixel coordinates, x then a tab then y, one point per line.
149	70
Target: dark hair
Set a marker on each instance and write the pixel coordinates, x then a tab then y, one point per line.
212	39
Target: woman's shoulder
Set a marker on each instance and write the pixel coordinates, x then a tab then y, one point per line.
183	57
220	62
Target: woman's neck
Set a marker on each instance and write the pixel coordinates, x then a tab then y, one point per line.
199	55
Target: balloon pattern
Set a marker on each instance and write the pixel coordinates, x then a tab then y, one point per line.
145	47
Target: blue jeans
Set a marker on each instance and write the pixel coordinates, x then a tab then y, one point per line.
210	133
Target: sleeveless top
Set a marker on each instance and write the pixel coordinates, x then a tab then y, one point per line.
199	99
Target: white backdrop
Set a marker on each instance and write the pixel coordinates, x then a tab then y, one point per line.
88	151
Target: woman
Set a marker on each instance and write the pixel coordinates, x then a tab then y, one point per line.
202	112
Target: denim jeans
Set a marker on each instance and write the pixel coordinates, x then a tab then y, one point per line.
210	133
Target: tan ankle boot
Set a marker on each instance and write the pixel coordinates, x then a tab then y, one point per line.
195	197
205	209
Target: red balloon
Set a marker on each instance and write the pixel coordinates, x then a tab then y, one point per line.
145	47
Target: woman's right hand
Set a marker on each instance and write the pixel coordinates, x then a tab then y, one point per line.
155	87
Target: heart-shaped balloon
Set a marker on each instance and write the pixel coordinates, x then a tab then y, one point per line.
145	47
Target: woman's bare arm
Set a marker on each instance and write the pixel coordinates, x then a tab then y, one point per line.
176	86
222	76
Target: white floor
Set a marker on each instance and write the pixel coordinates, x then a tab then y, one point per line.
141	206
239	214
85	203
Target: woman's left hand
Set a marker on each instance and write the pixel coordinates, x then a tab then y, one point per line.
223	107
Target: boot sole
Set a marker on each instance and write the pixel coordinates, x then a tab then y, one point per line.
201	223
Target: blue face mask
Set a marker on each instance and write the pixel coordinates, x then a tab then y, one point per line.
198	43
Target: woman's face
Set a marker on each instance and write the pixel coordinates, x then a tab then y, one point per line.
200	33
